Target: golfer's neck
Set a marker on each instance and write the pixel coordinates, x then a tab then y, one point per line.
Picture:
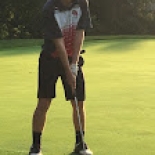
66	2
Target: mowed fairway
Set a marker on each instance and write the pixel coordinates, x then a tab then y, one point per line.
120	82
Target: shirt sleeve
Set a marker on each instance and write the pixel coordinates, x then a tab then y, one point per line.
85	19
51	29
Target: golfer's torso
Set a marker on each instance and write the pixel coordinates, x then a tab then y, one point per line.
67	21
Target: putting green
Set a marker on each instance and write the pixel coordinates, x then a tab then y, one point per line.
120	82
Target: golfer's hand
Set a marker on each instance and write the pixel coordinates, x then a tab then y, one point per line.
74	69
71	80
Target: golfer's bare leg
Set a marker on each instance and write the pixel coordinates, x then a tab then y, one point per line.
39	119
39	116
82	115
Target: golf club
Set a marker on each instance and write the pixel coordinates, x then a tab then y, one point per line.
85	151
79	120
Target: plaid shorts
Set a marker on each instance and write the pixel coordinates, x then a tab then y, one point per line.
50	69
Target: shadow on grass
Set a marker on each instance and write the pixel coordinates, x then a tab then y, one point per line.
114	45
20	51
73	153
32	46
20	46
12	43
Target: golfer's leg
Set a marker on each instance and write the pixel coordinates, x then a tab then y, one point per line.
39	116
39	119
46	90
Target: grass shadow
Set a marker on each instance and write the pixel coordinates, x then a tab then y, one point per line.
20	46
73	153
114	45
7	44
103	45
20	51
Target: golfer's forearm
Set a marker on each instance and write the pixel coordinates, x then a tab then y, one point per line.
78	42
59	43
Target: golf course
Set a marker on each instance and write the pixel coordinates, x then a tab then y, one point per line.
120	98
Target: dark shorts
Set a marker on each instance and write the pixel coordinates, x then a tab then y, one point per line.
50	69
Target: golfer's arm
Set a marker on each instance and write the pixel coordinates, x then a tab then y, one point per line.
60	46
78	42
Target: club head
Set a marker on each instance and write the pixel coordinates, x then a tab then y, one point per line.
86	152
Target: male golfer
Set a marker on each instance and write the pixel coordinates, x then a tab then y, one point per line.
64	25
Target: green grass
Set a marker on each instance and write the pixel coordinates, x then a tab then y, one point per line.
120	82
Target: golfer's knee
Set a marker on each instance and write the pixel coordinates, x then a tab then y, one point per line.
80	105
42	106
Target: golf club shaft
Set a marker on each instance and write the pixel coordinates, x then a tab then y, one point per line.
79	120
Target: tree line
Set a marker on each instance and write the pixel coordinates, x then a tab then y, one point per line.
22	19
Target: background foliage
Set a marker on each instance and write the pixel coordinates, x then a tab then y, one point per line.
22	19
